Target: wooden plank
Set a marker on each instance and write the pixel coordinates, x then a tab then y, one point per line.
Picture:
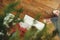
51	3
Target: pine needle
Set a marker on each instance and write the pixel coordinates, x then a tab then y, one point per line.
11	7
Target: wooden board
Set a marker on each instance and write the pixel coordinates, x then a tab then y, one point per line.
45	7
32	7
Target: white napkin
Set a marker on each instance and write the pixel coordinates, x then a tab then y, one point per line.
29	20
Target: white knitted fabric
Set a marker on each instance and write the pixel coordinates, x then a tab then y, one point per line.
29	22
9	17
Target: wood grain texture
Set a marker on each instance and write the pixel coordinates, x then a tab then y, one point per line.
32	7
45	7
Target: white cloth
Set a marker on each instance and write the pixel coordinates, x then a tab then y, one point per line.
9	17
29	21
24	25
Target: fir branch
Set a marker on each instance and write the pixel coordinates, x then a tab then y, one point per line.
15	36
11	7
17	15
30	33
19	12
36	17
1	20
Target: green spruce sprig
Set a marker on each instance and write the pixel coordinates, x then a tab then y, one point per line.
30	33
15	36
37	17
10	7
19	11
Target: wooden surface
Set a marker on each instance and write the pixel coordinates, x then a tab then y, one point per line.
33	7
45	7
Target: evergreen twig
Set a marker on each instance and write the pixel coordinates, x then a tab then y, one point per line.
11	7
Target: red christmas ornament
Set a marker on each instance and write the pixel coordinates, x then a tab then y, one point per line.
21	30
